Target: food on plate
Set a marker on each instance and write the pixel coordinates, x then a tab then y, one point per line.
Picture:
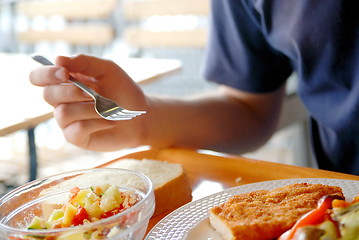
85	206
171	185
333	219
266	214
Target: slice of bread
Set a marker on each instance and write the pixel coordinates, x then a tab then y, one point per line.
265	215
170	182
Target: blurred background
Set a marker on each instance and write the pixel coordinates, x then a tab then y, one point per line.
120	30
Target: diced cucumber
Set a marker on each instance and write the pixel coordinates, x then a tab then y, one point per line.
95	210
36	223
100	189
111	199
90	199
56	215
108	203
80	197
92	205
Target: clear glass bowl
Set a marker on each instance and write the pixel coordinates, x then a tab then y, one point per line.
18	207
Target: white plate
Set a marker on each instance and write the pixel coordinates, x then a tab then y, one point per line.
190	221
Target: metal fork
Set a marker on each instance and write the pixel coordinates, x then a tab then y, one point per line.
106	108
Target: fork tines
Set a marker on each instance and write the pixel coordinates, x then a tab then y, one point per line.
123	114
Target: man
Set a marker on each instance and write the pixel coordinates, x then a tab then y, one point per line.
254	46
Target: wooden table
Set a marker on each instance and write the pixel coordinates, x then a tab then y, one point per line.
22	104
210	172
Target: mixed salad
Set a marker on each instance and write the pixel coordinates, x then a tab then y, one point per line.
333	219
84	206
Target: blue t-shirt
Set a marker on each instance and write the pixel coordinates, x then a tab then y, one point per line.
255	45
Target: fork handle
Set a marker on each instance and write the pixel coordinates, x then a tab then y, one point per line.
85	88
89	91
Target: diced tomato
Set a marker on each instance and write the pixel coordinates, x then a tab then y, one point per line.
80	216
112	212
74	191
50	238
57	225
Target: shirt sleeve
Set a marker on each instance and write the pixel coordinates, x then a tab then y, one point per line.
238	54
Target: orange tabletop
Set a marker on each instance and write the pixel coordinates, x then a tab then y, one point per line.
211	172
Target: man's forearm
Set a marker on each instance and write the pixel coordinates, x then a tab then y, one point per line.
215	121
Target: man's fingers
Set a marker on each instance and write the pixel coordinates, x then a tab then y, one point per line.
68	113
87	65
64	93
80	132
48	75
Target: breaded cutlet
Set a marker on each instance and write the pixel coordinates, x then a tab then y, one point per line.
265	215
